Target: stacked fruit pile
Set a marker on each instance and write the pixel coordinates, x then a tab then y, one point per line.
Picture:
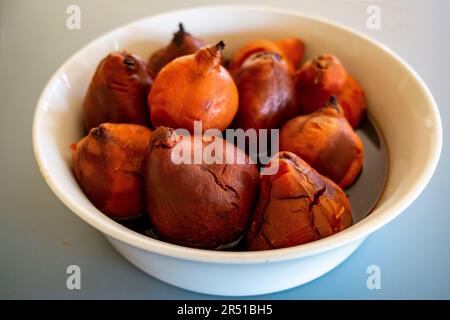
129	162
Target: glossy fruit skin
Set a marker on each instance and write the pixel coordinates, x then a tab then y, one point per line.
108	165
266	92
296	205
352	101
194	88
118	92
323	77
293	49
198	205
326	141
290	49
183	43
317	80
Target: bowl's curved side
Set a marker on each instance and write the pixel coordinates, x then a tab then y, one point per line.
405	111
228	280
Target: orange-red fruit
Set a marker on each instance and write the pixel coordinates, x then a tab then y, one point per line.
194	88
326	141
291	49
108	165
317	80
118	92
266	92
183	43
352	101
296	205
204	204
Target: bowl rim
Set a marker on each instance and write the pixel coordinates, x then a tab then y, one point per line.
360	230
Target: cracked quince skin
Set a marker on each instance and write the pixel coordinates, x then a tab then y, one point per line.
198	205
296	205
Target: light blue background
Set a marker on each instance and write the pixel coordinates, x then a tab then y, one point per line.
39	237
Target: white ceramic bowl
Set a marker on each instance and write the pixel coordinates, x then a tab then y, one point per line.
398	101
